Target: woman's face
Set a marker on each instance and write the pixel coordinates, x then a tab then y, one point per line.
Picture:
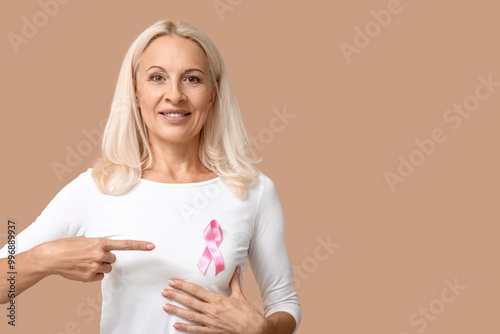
173	90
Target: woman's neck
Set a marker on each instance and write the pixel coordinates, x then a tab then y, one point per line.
176	163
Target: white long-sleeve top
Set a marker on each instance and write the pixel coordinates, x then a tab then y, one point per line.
173	217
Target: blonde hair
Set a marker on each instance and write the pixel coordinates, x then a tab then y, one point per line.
224	145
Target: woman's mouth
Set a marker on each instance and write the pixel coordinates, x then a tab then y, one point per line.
175	117
175	114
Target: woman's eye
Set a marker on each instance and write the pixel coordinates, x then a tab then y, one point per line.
157	78
192	79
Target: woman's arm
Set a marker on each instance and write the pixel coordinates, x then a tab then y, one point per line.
61	218
78	258
29	272
268	257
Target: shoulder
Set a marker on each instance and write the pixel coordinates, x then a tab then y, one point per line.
264	179
72	197
266	189
269	211
85	178
268	185
261	184
82	183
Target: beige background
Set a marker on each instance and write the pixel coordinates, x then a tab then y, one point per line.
352	122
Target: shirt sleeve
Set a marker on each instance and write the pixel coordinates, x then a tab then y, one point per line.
61	218
268	255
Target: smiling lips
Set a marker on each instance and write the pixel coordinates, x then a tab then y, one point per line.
175	112
175	115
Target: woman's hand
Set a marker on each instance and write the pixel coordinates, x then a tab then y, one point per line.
83	259
216	313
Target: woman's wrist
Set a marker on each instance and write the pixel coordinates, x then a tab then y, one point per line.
37	259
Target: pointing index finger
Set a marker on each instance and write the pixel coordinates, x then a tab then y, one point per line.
128	245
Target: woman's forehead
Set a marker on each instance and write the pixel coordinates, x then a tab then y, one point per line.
172	52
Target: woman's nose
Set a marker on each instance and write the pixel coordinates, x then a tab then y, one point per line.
173	92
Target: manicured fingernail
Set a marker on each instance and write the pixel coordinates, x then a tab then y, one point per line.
239	269
176	326
171	283
150	246
165	293
167	308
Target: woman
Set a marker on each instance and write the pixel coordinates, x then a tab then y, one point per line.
176	195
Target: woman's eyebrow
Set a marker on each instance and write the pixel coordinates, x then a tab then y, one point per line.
156	66
194	69
188	70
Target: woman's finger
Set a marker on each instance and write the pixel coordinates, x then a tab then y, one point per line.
96	277
104	268
109	258
194	290
111	244
189	315
185	299
194	329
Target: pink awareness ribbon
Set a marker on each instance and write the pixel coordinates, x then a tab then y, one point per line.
213	238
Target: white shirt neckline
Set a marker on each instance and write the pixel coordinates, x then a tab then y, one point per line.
190	184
